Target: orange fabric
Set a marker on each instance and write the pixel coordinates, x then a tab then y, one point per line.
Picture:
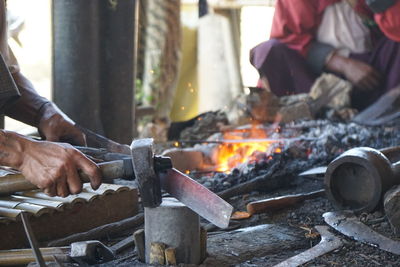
389	22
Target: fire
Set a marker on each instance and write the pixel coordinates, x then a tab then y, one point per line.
230	155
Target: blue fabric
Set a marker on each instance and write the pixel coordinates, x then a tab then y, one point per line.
317	54
379	6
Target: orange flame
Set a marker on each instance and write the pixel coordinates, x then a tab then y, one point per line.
230	155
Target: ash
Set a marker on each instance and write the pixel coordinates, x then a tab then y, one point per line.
309	144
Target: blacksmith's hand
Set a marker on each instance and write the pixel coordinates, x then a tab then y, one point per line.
360	74
56	126
54	167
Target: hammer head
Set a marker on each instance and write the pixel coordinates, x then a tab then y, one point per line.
91	252
358	178
146	177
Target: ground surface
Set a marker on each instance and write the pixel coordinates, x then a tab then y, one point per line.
290	230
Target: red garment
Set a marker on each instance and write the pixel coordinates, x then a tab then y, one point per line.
389	22
295	22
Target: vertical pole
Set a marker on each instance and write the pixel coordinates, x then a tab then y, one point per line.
117	68
93	64
76	60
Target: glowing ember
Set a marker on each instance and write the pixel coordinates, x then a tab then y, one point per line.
230	155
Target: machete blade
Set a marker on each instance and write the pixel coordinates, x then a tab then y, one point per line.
348	224
197	197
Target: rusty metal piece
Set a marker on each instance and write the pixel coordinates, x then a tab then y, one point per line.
328	243
349	225
359	177
272	204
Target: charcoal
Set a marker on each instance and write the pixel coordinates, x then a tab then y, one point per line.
316	143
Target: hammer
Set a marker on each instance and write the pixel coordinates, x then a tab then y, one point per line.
152	173
359	177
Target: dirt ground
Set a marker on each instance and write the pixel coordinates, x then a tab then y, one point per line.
287	232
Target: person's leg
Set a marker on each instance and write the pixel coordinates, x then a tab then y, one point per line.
386	59
286	70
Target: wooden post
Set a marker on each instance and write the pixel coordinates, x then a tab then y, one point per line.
157	253
170	257
138	236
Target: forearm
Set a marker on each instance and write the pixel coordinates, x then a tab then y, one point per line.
28	107
12	147
337	64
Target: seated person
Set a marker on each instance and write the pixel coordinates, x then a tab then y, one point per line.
339	36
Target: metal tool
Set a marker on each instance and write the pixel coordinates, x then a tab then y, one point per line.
85	252
194	195
149	171
328	243
385	110
314	172
96	140
348	224
272	204
359	177
32	240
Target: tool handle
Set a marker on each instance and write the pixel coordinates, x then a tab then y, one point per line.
109	170
272	204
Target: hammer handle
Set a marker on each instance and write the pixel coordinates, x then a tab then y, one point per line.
17	182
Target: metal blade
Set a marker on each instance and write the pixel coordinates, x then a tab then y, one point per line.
348	224
197	197
96	140
317	171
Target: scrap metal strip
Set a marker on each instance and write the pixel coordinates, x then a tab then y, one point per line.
328	243
348	224
32	240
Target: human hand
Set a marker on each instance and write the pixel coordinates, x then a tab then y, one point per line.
54	167
55	126
362	75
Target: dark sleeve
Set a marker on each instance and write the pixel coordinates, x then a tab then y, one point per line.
9	92
379	6
28	106
317	55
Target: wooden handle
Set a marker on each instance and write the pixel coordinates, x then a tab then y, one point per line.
272	204
109	170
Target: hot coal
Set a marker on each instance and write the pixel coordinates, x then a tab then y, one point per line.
314	143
